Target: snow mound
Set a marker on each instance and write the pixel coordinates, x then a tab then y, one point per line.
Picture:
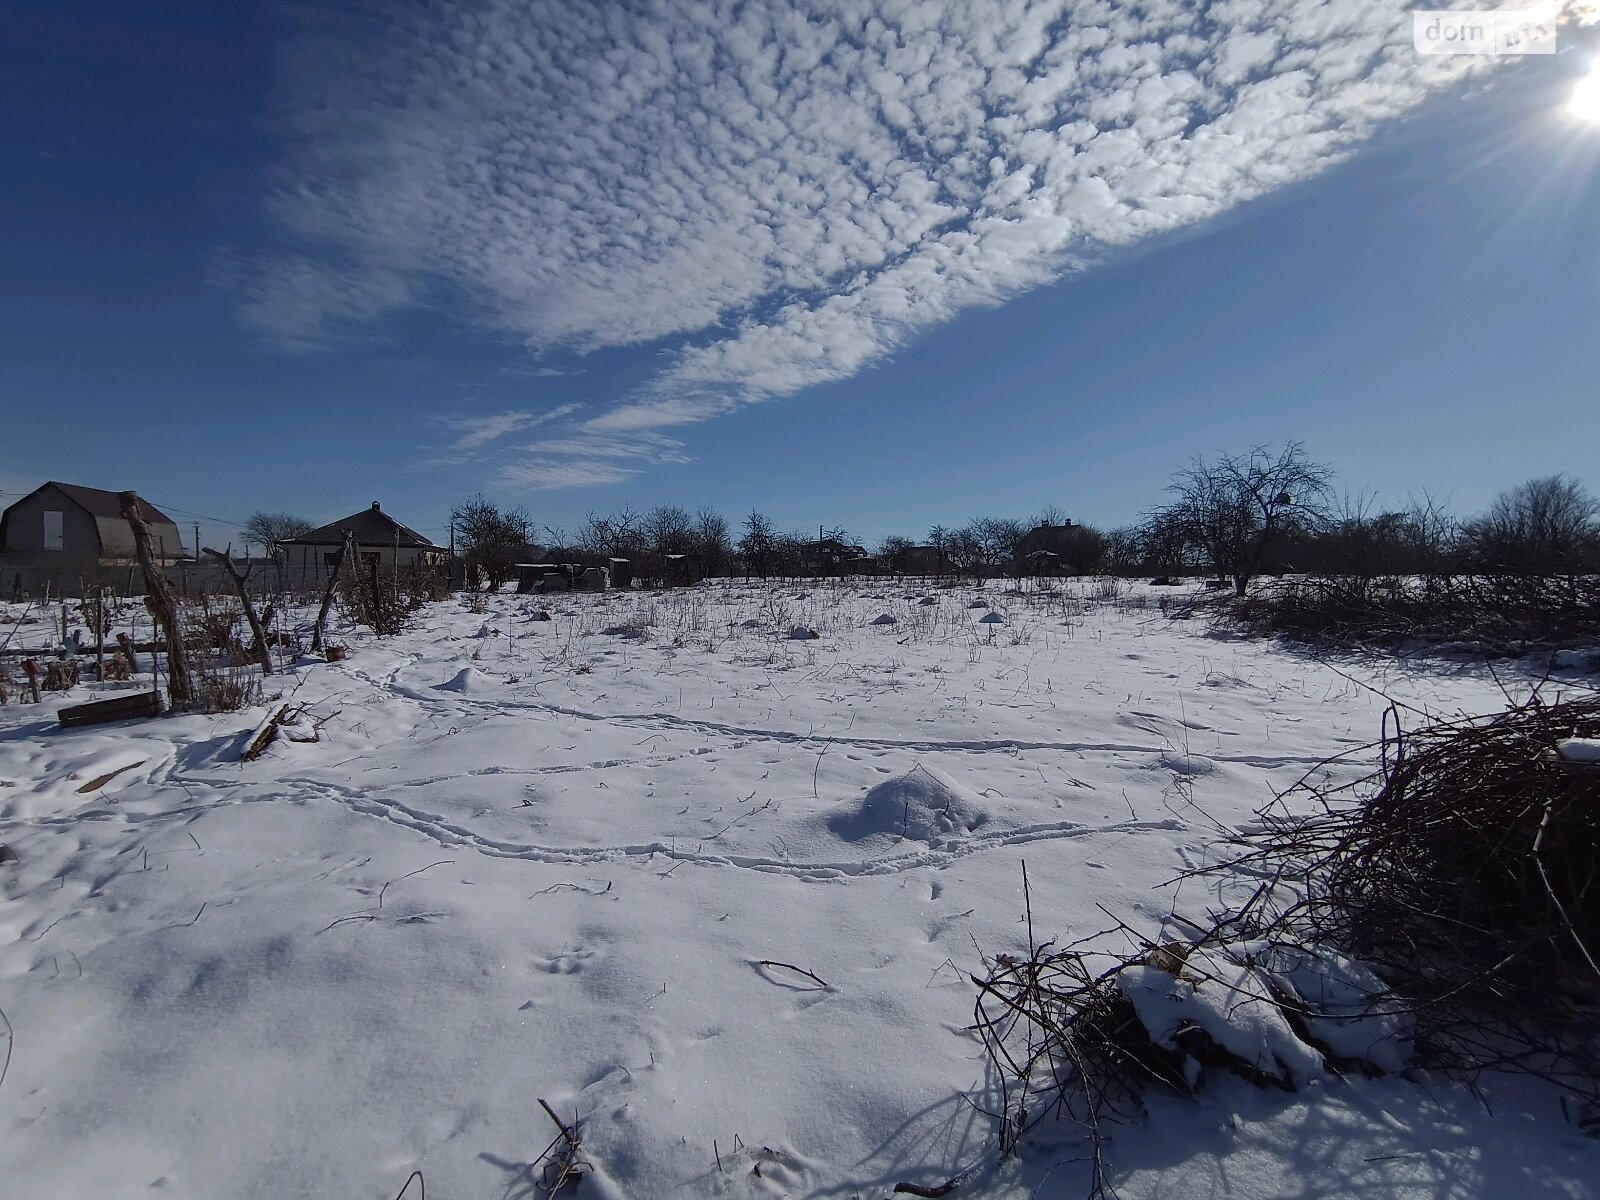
883	619
1185	764
1344	1006
1581	750
468	679
924	804
1231	1003
1234	1001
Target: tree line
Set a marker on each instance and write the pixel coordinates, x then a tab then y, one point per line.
1237	516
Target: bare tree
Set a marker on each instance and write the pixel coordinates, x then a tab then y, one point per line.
668	529
759	545
1543	526
558	545
1124	550
997	539
267	529
712	540
158	599
241	581
492	541
893	552
616	535
1083	549
1238	508
967	553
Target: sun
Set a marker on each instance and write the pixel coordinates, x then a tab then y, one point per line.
1584	103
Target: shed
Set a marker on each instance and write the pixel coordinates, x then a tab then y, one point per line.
590	579
61	533
531	576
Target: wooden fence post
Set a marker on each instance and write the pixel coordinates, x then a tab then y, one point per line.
327	593
158	598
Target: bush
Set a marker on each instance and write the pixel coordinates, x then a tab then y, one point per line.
224	686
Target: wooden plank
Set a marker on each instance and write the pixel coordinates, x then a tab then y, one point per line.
263	735
118	708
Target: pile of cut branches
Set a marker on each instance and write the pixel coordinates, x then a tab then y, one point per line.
1467	872
1503	613
1444	911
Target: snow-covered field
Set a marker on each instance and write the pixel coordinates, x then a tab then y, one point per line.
549	859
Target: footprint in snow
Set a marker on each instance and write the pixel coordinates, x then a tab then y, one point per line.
568	962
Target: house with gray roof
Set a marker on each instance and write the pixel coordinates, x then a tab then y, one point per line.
379	539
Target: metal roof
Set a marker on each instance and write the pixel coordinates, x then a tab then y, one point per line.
98	502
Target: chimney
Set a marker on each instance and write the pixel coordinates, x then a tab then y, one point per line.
374	506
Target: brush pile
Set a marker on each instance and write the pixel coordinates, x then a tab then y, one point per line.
1504	614
1469	877
1443	912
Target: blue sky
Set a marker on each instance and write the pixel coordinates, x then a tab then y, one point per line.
882	267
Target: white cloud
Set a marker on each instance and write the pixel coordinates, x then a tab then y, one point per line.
308	304
784	197
475	432
535	475
586	444
584	457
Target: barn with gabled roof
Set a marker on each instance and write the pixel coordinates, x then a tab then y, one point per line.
64	536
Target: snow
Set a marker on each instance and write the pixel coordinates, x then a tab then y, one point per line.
1344	1005
1243	995
1575	749
1232	1003
550	863
923	804
466	680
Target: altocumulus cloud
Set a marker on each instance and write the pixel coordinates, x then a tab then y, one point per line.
782	195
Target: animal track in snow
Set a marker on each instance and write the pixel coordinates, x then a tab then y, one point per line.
567	962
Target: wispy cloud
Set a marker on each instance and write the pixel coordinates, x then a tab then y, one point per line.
586	443
474	432
535	475
310	304
585	456
783	197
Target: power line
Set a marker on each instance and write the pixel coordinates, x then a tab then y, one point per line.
187	513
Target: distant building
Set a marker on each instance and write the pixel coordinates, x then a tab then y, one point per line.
921	560
62	536
682	570
531	577
1068	548
562	577
379	539
1054	539
830	556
